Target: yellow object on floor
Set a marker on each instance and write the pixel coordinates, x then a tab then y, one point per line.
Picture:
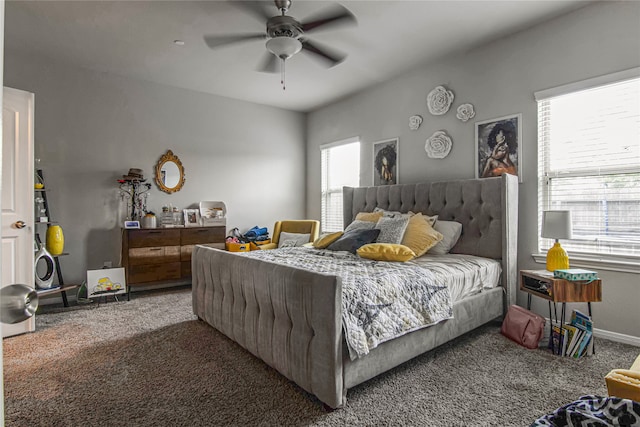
237	247
625	383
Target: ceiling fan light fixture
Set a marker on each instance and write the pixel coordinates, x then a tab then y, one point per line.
284	47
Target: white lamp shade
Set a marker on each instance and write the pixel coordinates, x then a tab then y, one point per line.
556	224
284	47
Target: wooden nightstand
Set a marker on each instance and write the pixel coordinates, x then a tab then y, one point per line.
541	283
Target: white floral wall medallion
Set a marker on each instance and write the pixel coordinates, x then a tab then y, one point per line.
439	100
465	112
438	145
415	122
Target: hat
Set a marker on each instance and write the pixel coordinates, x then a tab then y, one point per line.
134	175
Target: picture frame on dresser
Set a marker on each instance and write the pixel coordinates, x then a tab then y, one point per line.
191	217
132	224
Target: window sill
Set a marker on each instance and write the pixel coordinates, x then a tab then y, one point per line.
619	264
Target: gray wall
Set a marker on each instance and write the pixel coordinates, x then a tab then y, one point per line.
90	128
498	79
1	84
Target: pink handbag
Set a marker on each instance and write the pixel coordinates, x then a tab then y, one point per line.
523	326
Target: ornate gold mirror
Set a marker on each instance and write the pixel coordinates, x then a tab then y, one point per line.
169	173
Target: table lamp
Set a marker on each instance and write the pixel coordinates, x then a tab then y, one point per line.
556	225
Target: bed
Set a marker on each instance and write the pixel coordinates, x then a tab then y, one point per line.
292	318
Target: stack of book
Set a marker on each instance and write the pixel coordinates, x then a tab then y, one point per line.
574	339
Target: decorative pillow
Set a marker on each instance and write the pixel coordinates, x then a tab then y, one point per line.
390	214
352	240
386	252
360	225
292	239
420	235
369	216
431	219
327	239
451	231
392	229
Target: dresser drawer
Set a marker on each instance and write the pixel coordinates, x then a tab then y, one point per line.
185	269
153	238
154	255
187	250
154	272
202	235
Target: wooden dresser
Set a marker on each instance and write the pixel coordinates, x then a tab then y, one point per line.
163	255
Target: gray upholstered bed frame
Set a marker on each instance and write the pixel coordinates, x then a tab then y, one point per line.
292	318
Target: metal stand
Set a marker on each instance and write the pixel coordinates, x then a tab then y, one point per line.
560	321
45	205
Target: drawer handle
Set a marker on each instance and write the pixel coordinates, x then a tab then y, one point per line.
155	249
155	232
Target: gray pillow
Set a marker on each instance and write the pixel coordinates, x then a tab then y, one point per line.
392	229
292	239
352	240
360	225
451	231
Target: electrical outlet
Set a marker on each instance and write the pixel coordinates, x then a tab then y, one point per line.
107	264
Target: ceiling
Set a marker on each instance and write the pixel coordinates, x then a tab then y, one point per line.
136	39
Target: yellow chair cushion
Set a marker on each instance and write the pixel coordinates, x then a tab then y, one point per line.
624	383
369	216
386	252
420	236
267	246
327	239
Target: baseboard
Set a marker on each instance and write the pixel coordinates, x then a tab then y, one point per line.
615	336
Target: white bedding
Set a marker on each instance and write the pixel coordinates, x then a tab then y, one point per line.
464	274
380	300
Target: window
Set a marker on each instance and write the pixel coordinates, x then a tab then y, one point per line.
589	163
340	167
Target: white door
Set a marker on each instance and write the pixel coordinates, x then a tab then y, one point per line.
17	196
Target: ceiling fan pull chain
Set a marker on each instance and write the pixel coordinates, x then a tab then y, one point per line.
282	73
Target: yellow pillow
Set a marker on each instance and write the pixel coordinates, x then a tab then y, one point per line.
420	235
431	219
369	216
323	241
386	252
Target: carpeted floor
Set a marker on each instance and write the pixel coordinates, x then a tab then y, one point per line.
151	362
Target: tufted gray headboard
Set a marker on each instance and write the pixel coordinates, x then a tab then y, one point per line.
487	209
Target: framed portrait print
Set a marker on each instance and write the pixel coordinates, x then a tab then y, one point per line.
191	217
498	147
385	162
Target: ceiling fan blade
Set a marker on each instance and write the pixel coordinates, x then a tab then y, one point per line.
255	8
331	55
269	63
217	41
335	15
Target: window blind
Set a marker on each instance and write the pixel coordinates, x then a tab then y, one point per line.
589	163
340	166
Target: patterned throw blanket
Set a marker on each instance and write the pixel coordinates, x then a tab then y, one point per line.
593	411
380	300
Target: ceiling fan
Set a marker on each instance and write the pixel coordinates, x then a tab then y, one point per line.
285	35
